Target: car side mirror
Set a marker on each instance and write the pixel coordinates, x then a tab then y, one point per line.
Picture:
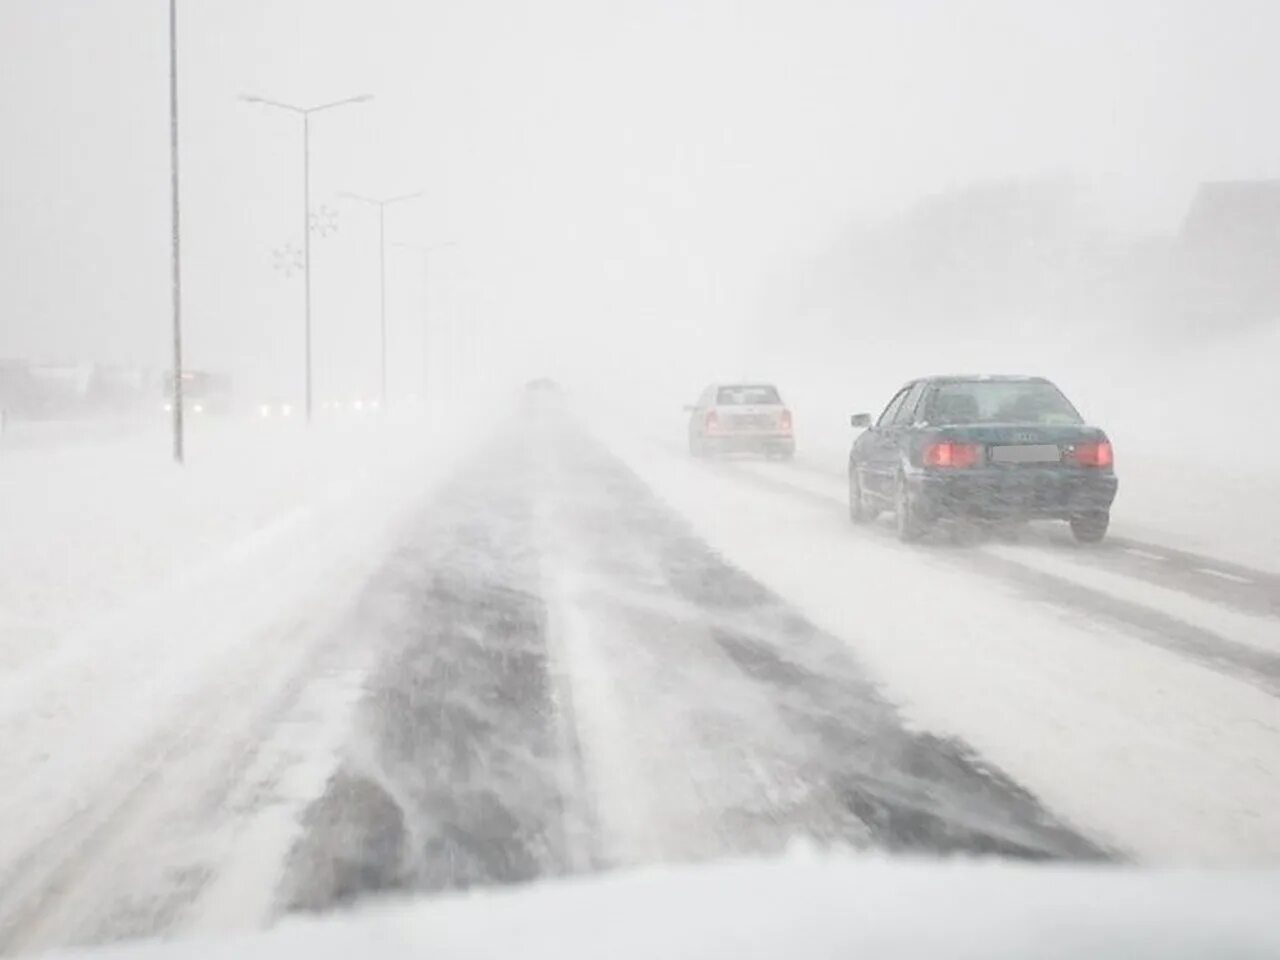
860	421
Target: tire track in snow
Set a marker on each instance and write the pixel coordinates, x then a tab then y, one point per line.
453	777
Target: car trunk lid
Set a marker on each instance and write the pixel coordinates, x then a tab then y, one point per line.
1019	445
750	418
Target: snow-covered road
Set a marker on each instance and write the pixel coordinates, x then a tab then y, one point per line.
580	682
1137	706
586	651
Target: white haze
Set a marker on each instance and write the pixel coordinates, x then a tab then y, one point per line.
514	619
639	191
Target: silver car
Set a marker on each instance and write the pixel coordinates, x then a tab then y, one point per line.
741	418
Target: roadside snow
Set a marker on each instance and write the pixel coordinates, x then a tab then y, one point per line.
164	644
89	526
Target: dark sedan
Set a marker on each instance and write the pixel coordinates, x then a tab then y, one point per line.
981	449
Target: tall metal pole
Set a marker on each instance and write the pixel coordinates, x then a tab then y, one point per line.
306	251
426	253
382	204
382	303
305	113
428	342
179	452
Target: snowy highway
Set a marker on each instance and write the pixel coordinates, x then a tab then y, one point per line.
591	687
577	649
639	480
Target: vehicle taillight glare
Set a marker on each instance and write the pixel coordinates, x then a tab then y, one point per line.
712	423
948	453
785	421
1095	453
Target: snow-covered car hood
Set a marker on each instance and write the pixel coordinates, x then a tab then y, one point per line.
799	908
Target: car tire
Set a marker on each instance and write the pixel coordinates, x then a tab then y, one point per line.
910	527
696	448
1090	527
858	511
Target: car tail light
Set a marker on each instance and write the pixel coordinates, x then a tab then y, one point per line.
712	422
948	453
1095	453
784	420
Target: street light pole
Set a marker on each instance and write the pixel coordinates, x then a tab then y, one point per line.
305	113
426	252
382	205
306	256
382	302
179	453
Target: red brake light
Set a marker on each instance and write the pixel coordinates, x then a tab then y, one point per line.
785	421
1094	453
712	423
951	454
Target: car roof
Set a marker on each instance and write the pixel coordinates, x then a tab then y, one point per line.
981	377
743	384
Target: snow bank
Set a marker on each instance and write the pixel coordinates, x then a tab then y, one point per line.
157	623
88	527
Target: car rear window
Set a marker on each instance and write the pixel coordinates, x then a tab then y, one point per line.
999	401
746	395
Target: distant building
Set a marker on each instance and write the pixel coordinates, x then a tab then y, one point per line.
992	257
15	387
43	391
1227	254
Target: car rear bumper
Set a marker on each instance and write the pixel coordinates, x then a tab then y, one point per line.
1022	494
775	443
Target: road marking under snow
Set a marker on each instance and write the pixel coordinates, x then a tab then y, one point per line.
1223	575
1222	620
1145	554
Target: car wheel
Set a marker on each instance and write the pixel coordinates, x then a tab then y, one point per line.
696	447
1090	527
858	512
910	527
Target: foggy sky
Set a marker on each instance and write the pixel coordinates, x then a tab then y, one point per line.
621	178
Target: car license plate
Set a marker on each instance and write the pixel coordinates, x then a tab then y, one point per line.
1026	453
